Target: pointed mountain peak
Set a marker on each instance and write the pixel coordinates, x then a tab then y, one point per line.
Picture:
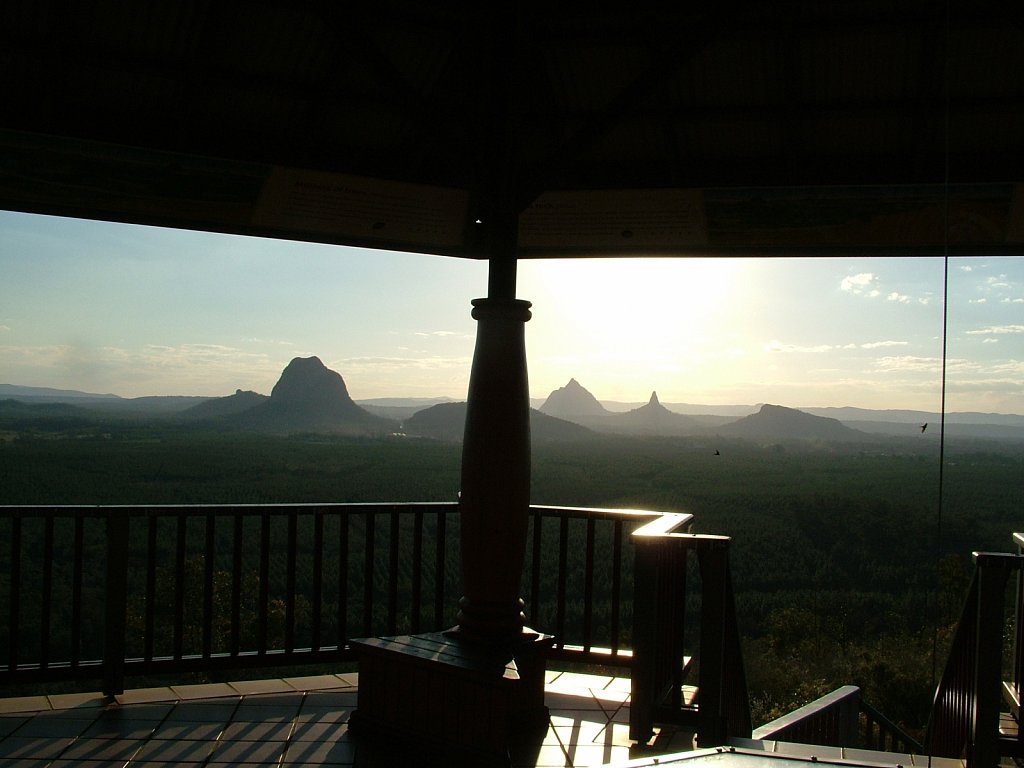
655	419
572	401
653	406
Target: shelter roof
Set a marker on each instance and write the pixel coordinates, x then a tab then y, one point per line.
726	127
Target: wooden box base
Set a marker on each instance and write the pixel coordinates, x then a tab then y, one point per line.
451	695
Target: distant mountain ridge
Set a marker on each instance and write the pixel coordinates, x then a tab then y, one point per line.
218	407
654	419
312	398
15	391
775	422
447	421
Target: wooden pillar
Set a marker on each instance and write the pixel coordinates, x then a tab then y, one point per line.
477	689
495	499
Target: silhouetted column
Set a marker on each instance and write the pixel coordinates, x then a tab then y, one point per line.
496	472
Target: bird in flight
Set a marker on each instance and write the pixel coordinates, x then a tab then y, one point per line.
924	426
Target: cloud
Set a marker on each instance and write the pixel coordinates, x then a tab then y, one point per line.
4	328
966	268
272	342
405	376
861	284
1011	367
777	346
377	364
1013	301
997	330
909	363
191	369
903	298
933	366
881	344
437	333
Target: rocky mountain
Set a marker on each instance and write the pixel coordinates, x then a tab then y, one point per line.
573	403
655	419
444	421
447	421
309	397
775	422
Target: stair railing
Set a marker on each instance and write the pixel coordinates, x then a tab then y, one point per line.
966	711
719	708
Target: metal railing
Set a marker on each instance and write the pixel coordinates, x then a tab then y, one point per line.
114	592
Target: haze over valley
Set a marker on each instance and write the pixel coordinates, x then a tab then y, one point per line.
309	398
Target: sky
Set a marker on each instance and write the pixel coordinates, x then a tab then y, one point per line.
135	311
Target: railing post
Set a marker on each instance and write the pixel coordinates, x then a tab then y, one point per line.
983	742
713	727
643	678
1018	637
114	640
848	726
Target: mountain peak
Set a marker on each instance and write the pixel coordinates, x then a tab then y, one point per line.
778	421
306	381
653	418
572	401
309	397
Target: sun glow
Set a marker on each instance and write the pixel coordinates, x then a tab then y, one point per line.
647	322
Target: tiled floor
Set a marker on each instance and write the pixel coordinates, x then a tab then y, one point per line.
286	722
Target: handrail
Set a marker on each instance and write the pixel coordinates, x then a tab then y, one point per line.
192	588
841	718
1016	681
882	734
965	714
722	709
830	719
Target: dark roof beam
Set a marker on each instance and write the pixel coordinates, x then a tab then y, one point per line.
675	50
428	116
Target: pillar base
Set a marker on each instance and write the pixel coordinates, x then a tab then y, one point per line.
492	623
467	700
